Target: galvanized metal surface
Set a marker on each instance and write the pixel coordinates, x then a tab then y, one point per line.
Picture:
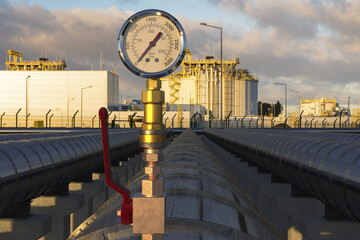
31	164
323	164
202	202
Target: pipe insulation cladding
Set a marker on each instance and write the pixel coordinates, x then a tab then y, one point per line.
323	164
34	163
202	200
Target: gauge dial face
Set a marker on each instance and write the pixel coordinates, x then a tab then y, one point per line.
151	43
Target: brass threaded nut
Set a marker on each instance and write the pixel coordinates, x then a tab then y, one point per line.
153	187
154	170
153	84
152	157
153	96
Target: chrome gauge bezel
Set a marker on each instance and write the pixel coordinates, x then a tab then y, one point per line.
122	51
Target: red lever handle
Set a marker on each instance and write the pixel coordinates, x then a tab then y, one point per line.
127	204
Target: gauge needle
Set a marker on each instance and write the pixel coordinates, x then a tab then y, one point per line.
151	45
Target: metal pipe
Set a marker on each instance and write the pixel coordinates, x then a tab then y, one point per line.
165	121
73	119
201	194
340	118
242	120
311	122
257	122
1	124
92	121
300	118
316	122
250	122
172	120
46	117
295	123
335	122
132	120
16	117
27	116
273	122
323	164
181	121
47	160
199	119
323	123
306	122
50	120
192	119
227	120
153	135
210	120
285	122
237	123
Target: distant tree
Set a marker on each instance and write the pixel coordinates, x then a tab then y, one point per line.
268	108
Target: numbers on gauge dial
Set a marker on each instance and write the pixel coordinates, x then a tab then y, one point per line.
152	43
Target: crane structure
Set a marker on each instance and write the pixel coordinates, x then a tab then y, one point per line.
15	62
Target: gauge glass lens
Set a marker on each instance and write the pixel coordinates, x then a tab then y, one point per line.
151	44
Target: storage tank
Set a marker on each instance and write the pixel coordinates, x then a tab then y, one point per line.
247	94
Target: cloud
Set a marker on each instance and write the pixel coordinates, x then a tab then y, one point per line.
76	35
4	4
310	45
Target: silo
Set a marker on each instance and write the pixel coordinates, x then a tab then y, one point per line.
252	95
246	94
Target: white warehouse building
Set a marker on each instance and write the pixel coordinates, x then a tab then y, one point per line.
54	97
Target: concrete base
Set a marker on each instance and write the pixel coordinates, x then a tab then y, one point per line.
319	228
31	227
122	174
60	207
89	190
99	199
293	216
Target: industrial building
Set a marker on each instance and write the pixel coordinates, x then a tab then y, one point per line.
73	98
198	82
15	62
56	98
321	107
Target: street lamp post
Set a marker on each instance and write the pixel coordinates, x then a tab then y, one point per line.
221	67
26	100
299	98
348	112
81	113
277	83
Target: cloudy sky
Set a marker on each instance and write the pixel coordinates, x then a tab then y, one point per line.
311	45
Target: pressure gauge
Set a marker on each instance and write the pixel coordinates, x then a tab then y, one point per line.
152	43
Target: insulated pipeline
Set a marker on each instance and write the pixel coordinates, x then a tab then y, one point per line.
33	165
323	164
202	200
